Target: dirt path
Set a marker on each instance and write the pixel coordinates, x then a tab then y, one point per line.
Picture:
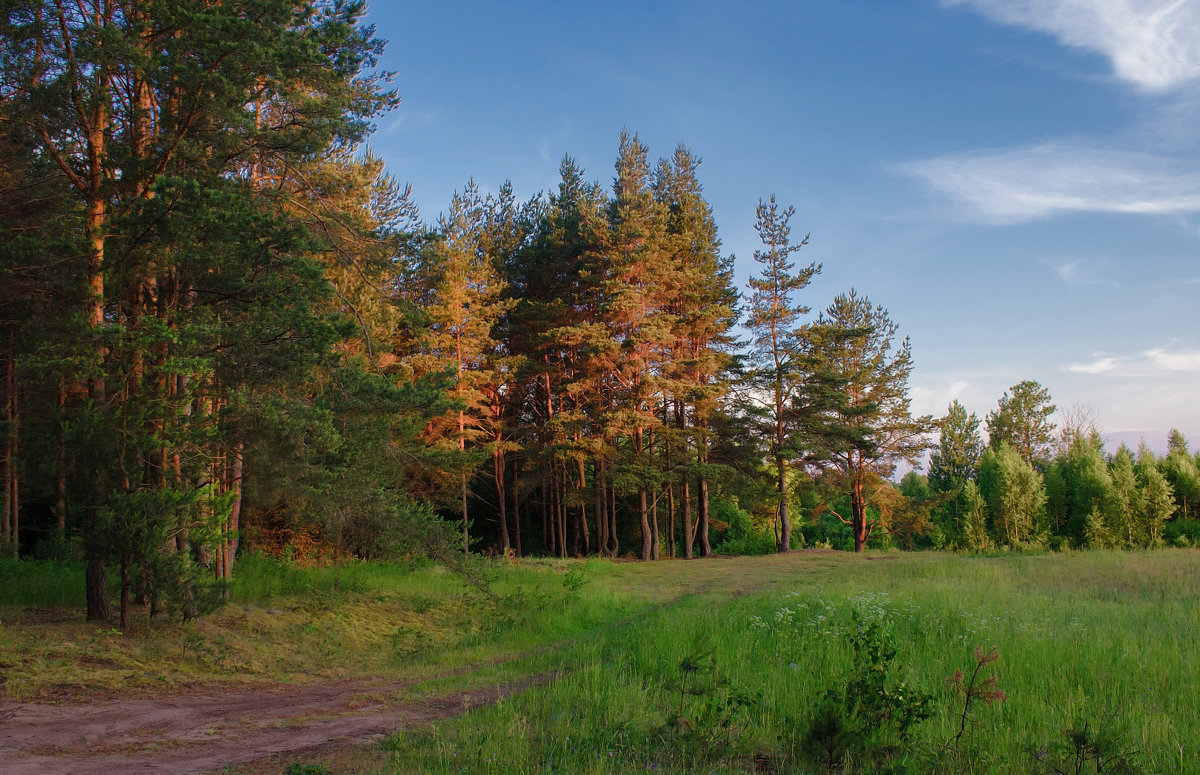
204	733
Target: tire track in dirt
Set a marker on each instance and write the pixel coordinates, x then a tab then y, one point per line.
205	733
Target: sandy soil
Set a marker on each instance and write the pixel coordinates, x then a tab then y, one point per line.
202	733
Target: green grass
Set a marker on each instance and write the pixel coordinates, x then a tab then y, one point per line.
1106	639
40	583
289	624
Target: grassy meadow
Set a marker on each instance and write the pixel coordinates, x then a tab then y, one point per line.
811	662
1097	662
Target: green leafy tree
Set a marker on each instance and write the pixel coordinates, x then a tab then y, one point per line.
1158	503
1182	473
1127	498
973	529
1087	488
1014	492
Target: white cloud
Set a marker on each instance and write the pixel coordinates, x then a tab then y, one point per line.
1101	365
1022	184
934	398
1086	273
1183	360
1153	44
1155	362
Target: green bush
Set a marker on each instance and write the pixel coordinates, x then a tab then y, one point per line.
746	545
736	534
40	583
729	521
1187	529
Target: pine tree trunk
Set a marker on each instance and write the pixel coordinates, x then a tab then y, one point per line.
858	516
601	506
560	493
126	588
583	526
498	469
96	580
689	531
702	517
547	525
785	523
644	518
671	511
96	583
235	514
656	546
466	538
10	536
643	506
60	470
516	508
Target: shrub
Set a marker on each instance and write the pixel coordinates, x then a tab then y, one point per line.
1187	529
738	535
746	546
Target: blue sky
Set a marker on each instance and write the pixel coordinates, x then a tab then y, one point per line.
1017	181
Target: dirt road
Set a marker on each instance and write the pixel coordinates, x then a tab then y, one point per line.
204	733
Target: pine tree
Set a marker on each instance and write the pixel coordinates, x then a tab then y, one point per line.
778	336
702	301
158	114
878	428
637	314
1022	420
566	384
956	456
465	308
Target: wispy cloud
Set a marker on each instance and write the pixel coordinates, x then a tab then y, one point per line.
1156	360
1153	44
1181	360
1027	183
937	394
412	118
1079	272
1101	365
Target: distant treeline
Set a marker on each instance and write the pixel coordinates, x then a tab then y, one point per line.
1034	486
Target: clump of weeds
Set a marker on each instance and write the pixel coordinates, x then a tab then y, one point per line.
708	719
870	717
1094	749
